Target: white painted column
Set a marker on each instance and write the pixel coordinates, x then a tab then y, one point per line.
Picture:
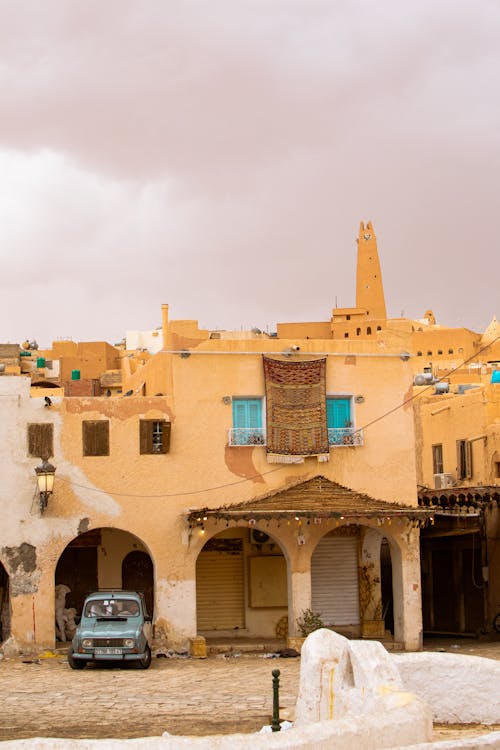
299	588
407	592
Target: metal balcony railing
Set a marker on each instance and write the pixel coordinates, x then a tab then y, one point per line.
247	436
343	436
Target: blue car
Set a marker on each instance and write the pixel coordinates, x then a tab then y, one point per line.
114	626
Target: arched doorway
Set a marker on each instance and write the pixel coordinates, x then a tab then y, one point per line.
386	586
335	579
98	559
352	581
4	605
241	585
138	575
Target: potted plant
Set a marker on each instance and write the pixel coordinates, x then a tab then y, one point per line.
307	623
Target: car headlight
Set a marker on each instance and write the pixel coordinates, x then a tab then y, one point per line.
129	643
87	643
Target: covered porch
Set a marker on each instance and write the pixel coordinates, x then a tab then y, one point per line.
316	545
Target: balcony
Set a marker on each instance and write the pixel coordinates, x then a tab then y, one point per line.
247	436
344	436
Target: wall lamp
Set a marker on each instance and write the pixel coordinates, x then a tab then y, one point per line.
45	474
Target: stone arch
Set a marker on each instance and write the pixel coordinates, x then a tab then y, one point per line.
4	604
335	591
94	560
138	575
379	584
242	582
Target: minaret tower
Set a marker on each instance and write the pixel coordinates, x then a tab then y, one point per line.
369	287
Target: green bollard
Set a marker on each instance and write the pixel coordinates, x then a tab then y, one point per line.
275	724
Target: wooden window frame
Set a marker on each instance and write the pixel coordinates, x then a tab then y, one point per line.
437	458
41	440
95	437
464	459
148	445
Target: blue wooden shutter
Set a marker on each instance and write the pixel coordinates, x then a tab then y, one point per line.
247	413
338	412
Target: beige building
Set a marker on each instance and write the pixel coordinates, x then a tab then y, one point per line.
237	478
458	470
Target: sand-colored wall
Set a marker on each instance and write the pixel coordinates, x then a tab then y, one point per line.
148	495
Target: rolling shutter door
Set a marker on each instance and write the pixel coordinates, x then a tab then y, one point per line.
220	599
334	580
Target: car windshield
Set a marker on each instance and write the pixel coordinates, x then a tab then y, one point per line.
115	607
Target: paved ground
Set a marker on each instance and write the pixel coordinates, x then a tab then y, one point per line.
43	697
180	696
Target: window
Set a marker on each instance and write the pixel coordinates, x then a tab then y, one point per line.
95	438
464	459
41	440
419	354
154	436
369	331
497	469
338	421
346	335
358	331
247	422
437	459
450	351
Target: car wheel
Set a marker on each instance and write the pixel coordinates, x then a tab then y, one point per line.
75	663
145	662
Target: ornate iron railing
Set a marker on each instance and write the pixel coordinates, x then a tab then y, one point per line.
247	436
342	436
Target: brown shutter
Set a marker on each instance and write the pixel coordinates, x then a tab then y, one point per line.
460	473
468	459
41	440
95	438
165	442
145	436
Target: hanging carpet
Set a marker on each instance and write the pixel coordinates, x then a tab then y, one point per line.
296	410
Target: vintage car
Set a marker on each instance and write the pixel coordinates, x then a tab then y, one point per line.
114	626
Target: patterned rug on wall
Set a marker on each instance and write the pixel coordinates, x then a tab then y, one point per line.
296	410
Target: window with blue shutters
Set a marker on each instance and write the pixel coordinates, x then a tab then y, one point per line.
339	421
247	422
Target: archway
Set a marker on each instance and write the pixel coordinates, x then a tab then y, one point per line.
99	559
138	575
241	585
352	581
335	593
4	604
386	586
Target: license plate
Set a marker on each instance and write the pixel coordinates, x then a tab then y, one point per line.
108	652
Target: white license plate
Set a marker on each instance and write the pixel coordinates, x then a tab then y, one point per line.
108	652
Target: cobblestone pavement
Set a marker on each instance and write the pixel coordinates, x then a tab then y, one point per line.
44	697
182	696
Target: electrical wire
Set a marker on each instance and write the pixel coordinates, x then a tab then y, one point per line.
279	468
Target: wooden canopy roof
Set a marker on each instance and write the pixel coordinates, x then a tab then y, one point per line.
315	498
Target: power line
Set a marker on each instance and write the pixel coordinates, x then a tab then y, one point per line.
279	468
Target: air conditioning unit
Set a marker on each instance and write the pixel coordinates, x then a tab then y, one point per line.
442	481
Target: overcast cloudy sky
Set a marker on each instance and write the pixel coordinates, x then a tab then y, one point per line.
220	155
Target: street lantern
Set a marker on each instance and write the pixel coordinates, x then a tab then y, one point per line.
45	481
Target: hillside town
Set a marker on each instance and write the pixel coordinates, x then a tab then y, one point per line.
347	468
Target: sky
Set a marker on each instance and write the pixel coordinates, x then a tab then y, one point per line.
219	156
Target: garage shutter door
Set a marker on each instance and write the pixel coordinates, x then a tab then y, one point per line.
220	600
334	579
